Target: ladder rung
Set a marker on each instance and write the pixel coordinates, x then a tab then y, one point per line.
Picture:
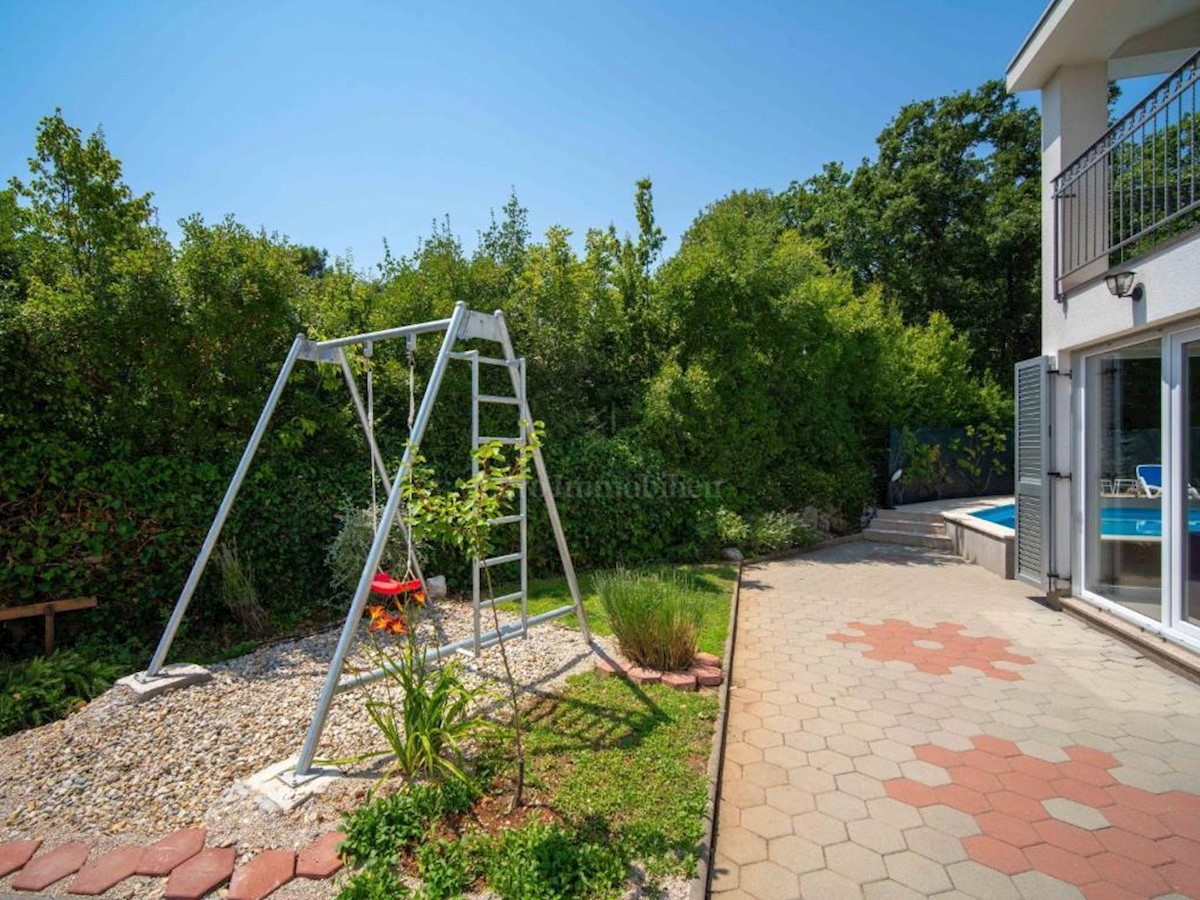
496	398
502	440
499	560
506	520
504	598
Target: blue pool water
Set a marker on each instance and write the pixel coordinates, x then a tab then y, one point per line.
1115	521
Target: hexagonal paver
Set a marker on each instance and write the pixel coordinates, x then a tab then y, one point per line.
766	821
795	854
1075	814
768	881
829	885
819	828
855	862
875	835
917	872
935	845
742	845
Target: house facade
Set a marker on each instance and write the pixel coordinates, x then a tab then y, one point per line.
1108	418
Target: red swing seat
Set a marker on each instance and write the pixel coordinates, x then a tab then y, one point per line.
385	584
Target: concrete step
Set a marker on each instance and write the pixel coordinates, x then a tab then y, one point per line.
912	526
908	515
888	536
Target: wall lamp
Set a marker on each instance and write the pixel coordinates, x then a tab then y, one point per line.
1120	284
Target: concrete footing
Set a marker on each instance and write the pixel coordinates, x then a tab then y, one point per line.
278	789
169	678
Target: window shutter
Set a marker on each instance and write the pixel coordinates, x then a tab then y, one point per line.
1031	498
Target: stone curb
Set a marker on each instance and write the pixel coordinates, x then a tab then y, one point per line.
703	877
799	551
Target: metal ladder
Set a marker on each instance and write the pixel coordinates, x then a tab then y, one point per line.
516	367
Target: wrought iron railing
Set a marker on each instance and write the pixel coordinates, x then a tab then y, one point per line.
1133	188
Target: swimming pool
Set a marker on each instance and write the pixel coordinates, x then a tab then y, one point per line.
1115	521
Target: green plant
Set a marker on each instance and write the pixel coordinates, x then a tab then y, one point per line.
348	550
656	617
238	592
549	862
732	530
464	517
436	714
375	883
47	688
446	868
771	531
384	827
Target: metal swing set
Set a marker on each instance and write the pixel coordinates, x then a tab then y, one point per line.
463	324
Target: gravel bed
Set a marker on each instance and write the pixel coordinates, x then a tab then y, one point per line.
116	772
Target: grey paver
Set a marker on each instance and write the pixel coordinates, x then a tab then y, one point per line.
817	730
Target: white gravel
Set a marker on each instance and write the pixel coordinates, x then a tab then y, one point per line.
116	772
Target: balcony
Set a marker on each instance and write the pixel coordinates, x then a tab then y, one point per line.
1133	189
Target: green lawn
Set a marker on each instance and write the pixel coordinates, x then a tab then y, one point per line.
714	582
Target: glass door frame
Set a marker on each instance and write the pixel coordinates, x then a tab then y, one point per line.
1086	498
1175	510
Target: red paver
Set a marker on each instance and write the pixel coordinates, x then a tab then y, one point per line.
995	854
1151	847
681	681
1182	878
1004	827
644	676
975	779
1017	806
1182	849
1133	876
1092	757
42	871
706	659
207	870
706	676
320	858
105	871
165	854
1087	774
607	667
264	874
1081	792
938	756
1184	824
1069	837
1026	785
996	746
14	854
911	792
1134	847
896	639
961	798
1062	864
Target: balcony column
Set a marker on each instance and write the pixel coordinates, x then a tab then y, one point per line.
1074	116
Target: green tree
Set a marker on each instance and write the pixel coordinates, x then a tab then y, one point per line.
946	219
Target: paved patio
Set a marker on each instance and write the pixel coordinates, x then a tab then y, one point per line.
906	724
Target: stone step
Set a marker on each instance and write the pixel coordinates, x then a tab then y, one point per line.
912	526
908	515
888	536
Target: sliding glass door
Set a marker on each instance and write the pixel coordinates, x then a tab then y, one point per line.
1124	501
1183	613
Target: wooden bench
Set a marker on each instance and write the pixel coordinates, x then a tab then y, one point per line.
48	609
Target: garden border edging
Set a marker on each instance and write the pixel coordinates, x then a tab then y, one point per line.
703	877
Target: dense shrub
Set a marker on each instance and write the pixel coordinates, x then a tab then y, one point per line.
47	688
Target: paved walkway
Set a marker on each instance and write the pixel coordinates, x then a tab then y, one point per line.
905	724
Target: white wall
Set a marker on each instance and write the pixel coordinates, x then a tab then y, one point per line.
1170	280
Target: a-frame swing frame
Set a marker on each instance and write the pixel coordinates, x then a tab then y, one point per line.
463	324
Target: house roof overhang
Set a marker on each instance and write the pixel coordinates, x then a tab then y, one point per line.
1134	37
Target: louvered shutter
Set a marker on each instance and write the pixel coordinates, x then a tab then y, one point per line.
1031	494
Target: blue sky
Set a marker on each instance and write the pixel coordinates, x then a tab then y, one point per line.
342	124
